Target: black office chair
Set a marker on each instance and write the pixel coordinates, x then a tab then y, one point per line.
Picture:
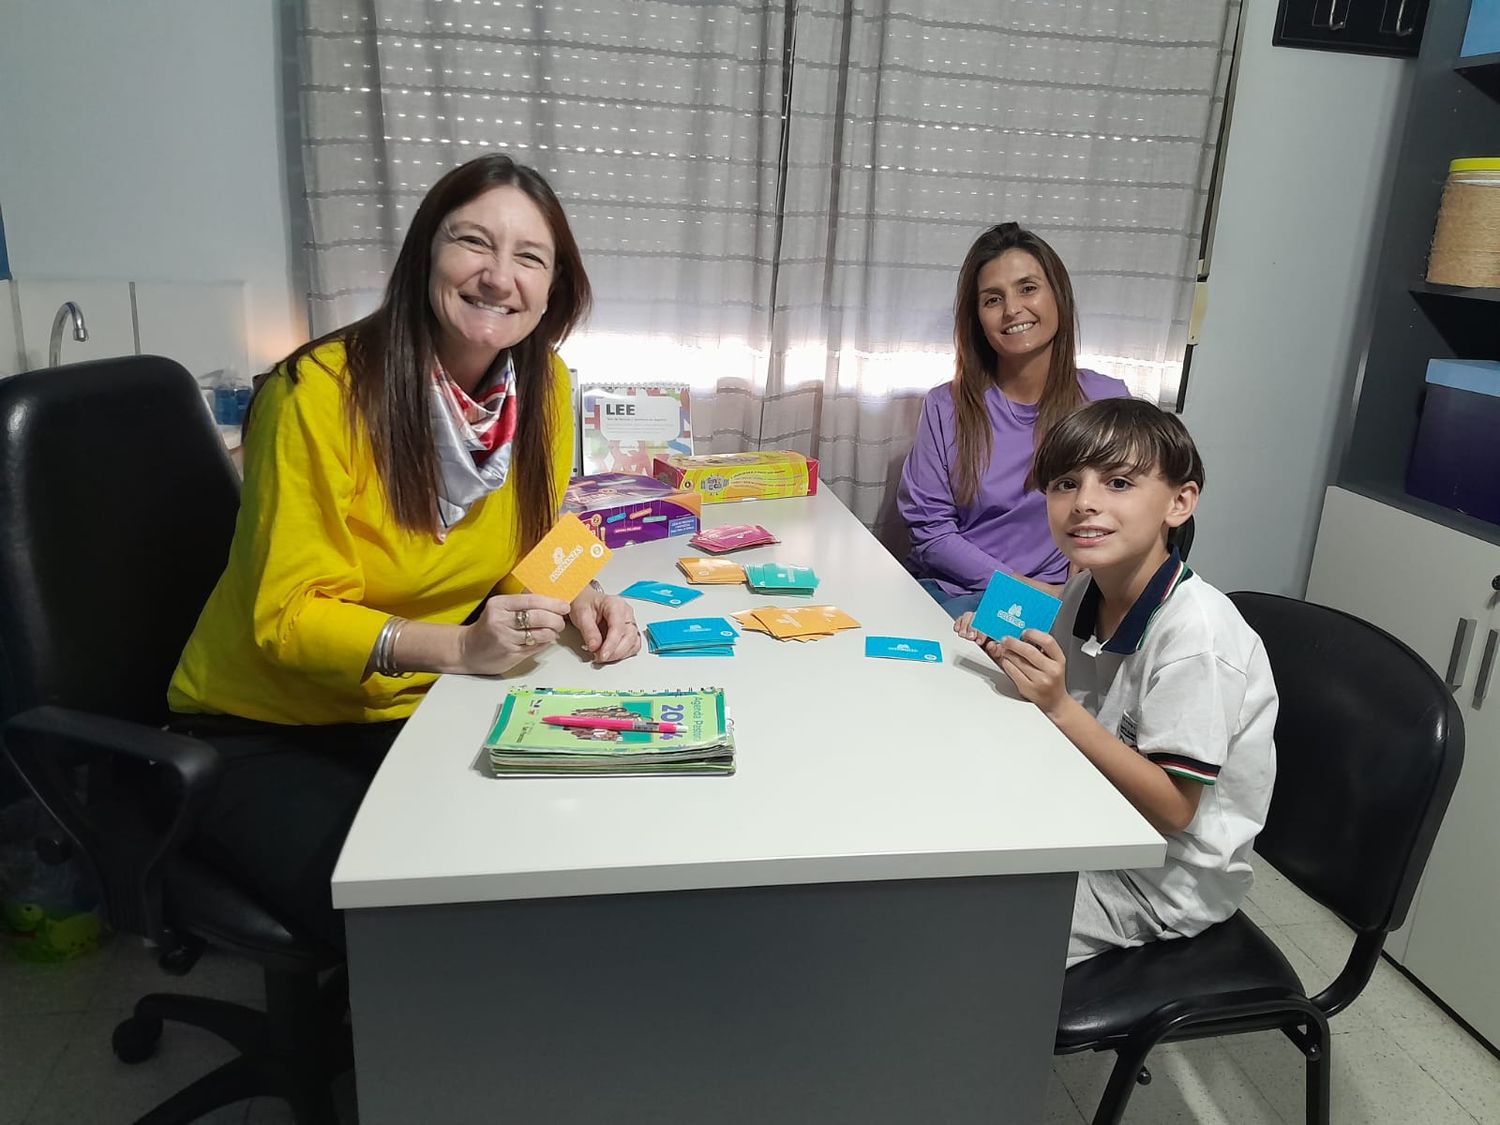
1368	748
117	506
1181	537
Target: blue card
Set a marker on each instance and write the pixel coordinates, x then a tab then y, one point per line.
691	633
662	593
904	648
1010	607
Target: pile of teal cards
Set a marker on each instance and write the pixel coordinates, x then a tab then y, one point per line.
777	578
692	636
1010	607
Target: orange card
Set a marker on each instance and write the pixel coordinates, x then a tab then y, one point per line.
831	615
561	565
785	624
711	572
747	619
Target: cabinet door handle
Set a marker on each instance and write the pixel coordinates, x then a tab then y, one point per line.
1396	26
1486	666
1335	21
1458	659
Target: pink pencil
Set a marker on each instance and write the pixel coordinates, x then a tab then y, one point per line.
589	722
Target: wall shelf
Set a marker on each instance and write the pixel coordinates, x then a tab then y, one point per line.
1478	62
1460	292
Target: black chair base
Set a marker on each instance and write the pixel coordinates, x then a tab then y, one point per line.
1229	979
1295	1017
293	1050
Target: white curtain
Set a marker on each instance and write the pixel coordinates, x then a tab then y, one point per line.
773	198
657	123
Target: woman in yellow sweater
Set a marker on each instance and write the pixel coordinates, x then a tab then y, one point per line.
395	471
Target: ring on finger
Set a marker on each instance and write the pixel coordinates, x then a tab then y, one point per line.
529	639
523	619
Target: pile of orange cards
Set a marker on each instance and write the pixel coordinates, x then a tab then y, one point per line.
802	623
712	572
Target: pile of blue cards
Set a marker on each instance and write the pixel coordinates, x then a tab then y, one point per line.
1010	607
778	578
692	636
662	593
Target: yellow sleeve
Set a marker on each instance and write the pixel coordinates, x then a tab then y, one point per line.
300	481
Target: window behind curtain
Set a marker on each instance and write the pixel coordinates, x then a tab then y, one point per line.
917	125
660	123
657	123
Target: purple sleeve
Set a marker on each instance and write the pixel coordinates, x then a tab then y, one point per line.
925	501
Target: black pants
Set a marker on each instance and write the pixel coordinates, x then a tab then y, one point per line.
284	801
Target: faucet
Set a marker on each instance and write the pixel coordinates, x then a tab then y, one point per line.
80	330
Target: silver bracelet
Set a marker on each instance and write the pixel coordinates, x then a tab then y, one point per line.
384	657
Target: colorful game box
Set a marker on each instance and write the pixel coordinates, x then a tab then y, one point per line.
621	508
769	474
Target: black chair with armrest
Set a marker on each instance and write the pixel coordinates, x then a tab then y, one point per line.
117	507
1369	744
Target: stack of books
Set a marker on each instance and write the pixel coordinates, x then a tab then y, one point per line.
692	636
567	732
777	578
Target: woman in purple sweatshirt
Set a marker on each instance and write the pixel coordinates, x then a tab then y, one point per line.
963	489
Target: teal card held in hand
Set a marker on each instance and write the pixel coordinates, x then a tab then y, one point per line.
1010	607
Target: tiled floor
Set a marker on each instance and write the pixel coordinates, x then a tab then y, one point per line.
1396	1057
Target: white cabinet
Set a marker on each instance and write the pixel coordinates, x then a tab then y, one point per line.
1422	582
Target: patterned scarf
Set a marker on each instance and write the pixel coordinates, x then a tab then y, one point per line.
473	437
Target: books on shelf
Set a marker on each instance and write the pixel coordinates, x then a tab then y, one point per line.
521	743
625	426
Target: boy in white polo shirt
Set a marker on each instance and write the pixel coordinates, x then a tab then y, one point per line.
1150	672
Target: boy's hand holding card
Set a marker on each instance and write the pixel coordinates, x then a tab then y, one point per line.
1010	607
561	565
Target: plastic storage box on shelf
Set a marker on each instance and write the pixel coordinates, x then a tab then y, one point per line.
1455	460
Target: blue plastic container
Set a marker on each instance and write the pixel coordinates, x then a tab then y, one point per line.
1482	35
1455	461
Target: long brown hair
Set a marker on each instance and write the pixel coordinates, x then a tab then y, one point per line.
976	366
391	354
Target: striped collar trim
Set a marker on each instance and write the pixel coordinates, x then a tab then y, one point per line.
1131	634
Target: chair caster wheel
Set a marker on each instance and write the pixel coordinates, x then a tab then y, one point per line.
135	1039
1144	1077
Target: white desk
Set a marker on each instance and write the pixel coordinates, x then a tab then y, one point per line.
865	923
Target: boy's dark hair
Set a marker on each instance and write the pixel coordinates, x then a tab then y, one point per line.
1114	433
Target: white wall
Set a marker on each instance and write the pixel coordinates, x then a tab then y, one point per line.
1298	231
141	141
